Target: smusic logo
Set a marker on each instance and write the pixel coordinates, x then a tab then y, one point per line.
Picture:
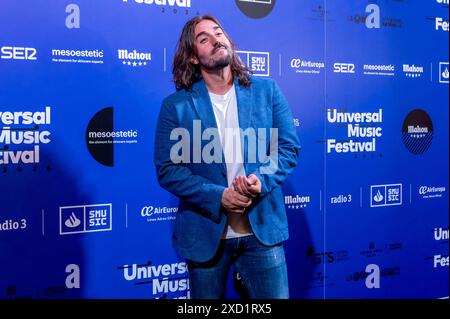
385	195
417	131
257	62
85	218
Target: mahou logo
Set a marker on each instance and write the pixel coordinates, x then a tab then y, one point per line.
417	131
256	9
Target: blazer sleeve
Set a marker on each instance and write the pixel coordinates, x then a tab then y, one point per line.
176	177
285	151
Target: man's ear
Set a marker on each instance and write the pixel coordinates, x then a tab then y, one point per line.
194	60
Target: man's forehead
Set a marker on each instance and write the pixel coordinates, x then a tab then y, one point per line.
206	25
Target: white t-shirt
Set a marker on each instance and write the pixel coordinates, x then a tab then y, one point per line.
227	119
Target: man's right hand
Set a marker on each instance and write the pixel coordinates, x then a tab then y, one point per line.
234	202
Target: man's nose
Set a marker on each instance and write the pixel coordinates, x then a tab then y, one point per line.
214	40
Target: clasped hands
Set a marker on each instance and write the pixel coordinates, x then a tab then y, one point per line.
237	197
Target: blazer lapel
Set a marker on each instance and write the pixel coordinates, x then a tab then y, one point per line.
202	105
245	106
205	112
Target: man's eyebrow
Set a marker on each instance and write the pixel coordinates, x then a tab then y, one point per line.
204	32
200	34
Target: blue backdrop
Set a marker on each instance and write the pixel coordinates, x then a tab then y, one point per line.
81	83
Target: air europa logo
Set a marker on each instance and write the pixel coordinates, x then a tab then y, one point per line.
428	192
306	66
256	9
152	213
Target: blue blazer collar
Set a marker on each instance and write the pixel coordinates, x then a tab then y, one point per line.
203	106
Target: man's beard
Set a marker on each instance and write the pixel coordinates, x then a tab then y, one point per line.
222	62
219	64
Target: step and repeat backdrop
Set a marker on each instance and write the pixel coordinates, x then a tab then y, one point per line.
81	84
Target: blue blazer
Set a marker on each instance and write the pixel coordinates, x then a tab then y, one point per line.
201	219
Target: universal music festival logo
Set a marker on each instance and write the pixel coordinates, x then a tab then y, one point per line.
166	280
417	131
360	132
165	6
21	135
101	136
255	9
171	3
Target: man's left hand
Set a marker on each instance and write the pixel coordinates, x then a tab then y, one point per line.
248	186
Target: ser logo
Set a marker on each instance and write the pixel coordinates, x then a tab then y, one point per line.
18	53
343	68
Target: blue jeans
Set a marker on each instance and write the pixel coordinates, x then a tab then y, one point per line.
262	269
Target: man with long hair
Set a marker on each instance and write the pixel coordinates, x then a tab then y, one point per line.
231	209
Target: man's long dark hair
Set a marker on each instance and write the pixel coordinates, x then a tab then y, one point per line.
186	73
